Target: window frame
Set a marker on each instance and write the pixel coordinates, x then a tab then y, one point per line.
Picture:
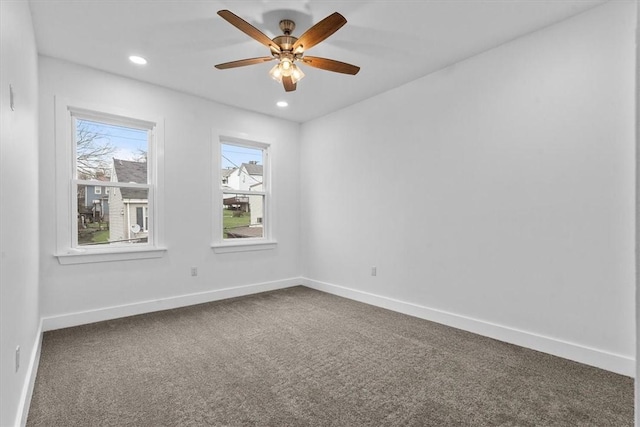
267	241
67	251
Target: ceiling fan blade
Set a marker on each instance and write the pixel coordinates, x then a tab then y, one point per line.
330	65
243	62
248	29
320	31
289	85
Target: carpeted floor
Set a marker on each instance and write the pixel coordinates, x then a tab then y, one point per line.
299	357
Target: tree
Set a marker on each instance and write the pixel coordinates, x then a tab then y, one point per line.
141	156
93	152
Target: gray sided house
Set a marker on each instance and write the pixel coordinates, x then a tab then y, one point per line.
93	202
128	206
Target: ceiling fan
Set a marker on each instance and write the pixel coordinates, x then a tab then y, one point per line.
288	49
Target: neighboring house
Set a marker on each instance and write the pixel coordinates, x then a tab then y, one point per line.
256	206
236	202
225	175
245	176
93	202
242	178
128	206
248	177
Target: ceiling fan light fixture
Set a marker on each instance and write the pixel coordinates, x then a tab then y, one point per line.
286	68
296	74
276	73
286	65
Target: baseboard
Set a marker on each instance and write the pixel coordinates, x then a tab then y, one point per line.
30	379
595	357
589	356
114	312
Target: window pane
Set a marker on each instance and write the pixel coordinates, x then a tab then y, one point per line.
242	168
117	216
242	216
98	145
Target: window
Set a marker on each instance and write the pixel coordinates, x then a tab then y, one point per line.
142	218
242	194
118	153
108	150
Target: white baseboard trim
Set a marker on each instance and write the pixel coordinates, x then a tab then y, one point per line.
30	380
589	356
114	312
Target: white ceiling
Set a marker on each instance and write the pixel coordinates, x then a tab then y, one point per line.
393	42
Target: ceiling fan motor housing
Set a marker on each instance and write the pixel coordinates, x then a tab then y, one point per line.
286	40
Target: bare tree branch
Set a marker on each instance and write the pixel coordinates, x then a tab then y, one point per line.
93	153
141	155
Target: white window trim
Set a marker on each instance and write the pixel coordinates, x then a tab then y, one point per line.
66	111
220	245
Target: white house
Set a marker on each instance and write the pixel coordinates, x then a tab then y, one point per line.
247	177
256	206
244	177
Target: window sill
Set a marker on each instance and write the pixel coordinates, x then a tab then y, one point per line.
245	246
80	256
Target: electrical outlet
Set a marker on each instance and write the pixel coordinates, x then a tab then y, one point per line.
194	271
17	358
374	271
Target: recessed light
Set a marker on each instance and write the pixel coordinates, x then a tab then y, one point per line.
282	104
137	60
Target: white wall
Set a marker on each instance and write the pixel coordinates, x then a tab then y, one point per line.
19	316
520	224
119	288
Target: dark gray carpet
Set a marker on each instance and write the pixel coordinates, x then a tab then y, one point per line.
299	357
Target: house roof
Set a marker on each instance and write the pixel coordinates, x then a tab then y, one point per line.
252	168
227	171
130	171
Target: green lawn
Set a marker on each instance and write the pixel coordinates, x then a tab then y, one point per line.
100	236
230	221
94	233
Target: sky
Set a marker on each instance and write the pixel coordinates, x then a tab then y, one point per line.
127	141
234	155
